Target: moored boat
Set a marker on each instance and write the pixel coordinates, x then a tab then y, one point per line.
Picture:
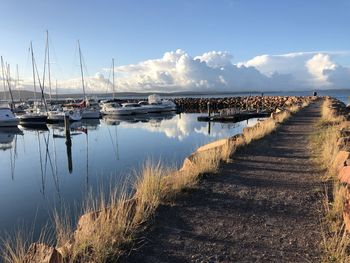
7	118
59	115
113	108
157	105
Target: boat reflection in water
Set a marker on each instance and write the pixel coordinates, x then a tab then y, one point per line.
151	117
8	142
8	136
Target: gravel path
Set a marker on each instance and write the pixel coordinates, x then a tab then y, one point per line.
263	207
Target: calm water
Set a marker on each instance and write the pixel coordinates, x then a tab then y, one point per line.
36	173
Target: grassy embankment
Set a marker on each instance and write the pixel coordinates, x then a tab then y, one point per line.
109	225
324	145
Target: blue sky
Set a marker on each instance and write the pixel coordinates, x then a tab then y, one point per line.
132	31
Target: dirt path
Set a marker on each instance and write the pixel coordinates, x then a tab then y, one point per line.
262	207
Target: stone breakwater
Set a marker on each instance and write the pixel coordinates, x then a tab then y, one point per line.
200	105
268	103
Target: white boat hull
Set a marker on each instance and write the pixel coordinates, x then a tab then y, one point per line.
7	118
59	116
160	108
116	112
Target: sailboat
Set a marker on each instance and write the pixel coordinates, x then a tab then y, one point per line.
58	114
7	117
89	108
116	109
35	115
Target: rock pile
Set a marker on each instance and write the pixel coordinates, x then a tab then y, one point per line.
268	103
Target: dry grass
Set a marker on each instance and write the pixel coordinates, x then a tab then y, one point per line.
324	144
328	114
198	164
149	190
118	218
336	241
104	235
264	127
206	162
63	226
14	246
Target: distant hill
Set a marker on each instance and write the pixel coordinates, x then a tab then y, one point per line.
26	94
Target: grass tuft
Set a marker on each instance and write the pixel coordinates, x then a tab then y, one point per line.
336	240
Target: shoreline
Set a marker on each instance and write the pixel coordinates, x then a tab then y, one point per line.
211	155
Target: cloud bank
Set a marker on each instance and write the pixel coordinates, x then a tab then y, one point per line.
178	71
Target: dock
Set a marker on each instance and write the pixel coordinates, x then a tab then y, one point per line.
241	116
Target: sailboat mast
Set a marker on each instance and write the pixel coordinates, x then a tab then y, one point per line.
34	83
81	70
43	100
56	91
113	77
3	77
18	89
9	85
48	61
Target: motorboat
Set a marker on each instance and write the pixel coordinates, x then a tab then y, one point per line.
89	108
7	118
114	108
157	105
58	115
135	108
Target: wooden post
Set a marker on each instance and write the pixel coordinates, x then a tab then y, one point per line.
68	143
67	130
208	106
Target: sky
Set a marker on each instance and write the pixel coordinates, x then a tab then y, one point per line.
199	45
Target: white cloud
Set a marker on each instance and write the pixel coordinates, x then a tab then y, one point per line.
306	69
216	59
182	127
214	71
317	65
